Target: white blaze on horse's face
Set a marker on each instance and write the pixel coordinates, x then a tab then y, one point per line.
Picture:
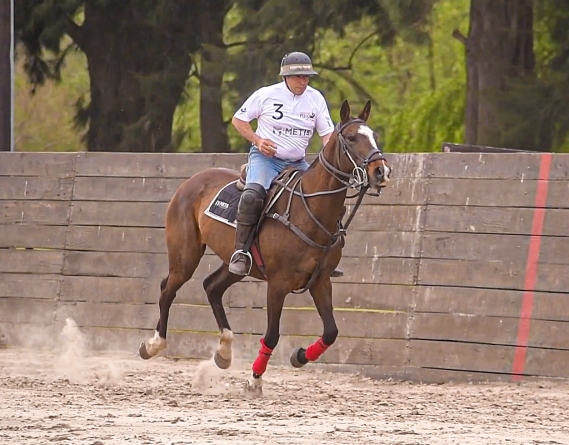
368	132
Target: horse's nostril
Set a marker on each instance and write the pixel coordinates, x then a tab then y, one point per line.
379	173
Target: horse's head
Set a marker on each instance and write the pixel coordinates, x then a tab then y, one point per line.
358	152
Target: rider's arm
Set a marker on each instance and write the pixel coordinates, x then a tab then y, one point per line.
265	146
245	130
325	139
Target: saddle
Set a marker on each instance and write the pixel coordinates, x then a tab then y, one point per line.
224	205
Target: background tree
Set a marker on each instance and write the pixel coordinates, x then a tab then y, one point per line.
499	56
139	57
5	77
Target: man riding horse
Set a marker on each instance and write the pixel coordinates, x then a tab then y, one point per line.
287	114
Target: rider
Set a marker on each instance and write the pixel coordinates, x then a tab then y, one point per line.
287	114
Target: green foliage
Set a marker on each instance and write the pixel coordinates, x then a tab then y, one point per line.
398	53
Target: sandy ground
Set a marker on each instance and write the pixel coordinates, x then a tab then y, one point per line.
74	397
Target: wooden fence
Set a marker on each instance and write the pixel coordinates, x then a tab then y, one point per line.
459	271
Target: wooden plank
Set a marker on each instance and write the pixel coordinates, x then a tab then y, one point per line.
35	335
496	302
483	274
378	270
482	192
547	362
30	187
147	265
484	165
116	239
461	356
479	219
125	189
358	324
465	328
475	246
243	321
37	164
409	165
495	193
559	169
549	334
27	311
489	247
29	286
508	220
31	261
129	264
148	239
134	290
382	297
244	294
33	236
387	218
492	275
154	165
133	214
400	191
34	212
149	214
557	192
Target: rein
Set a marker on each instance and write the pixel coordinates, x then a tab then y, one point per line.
357	179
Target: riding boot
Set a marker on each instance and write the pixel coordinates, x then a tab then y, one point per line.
248	213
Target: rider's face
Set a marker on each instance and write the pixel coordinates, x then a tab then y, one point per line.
297	84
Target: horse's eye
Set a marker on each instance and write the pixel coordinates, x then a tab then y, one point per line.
351	138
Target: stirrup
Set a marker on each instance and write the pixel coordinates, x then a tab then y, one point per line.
247	255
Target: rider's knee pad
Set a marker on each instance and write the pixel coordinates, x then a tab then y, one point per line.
251	203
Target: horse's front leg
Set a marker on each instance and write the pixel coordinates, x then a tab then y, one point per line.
215	286
322	295
169	286
275	301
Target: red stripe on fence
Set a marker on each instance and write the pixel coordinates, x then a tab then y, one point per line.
531	268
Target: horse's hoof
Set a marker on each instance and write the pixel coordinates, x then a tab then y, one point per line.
143	352
298	358
254	386
220	361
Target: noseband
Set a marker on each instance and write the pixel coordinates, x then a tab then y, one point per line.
358	178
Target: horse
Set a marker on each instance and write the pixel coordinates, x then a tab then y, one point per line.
300	237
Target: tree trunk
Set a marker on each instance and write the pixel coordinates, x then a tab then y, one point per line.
499	54
138	69
5	77
213	127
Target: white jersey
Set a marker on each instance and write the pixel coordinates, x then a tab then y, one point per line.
286	119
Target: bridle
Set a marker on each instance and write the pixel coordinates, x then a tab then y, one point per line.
358	178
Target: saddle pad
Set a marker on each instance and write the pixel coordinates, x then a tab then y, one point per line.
223	206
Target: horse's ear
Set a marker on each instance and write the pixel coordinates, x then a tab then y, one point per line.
345	112
364	115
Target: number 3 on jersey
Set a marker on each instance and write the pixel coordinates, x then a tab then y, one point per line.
278	113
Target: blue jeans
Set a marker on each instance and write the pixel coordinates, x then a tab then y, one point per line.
264	169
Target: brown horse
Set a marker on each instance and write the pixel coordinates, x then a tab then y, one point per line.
300	239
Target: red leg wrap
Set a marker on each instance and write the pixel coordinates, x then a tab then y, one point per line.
260	364
315	350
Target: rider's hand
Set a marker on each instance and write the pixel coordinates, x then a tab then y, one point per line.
266	146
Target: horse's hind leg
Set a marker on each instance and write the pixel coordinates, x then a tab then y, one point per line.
215	286
322	295
183	260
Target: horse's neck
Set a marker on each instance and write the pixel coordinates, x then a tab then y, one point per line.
318	179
